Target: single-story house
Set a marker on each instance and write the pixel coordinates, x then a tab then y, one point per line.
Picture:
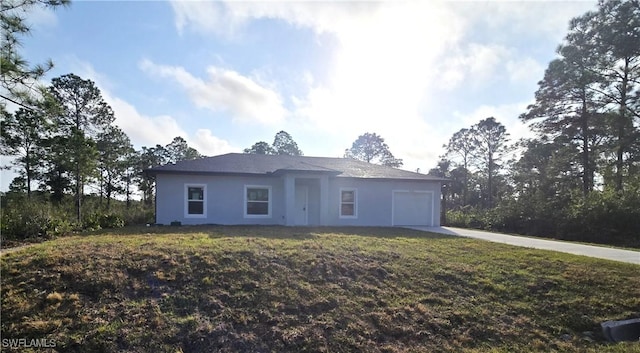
293	190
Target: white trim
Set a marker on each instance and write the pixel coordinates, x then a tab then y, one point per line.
355	203
269	202
186	200
393	203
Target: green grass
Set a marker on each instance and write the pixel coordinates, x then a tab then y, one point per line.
277	289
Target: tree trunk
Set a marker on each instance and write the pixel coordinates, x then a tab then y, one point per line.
490	182
128	192
77	162
465	187
28	172
586	168
108	191
621	127
78	197
101	188
78	191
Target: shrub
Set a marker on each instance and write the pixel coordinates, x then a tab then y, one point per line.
605	216
59	226
91	222
24	220
111	221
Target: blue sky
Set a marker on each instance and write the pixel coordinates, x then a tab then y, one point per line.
224	75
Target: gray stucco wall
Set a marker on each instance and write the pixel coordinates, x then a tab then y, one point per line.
374	200
225	199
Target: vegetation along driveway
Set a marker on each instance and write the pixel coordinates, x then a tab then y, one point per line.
600	252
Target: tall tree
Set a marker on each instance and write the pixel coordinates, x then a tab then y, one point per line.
546	170
260	147
592	85
178	150
57	168
284	144
114	148
131	162
565	106
617	29
371	148
149	157
490	138
461	146
22	135
17	77
83	116
443	171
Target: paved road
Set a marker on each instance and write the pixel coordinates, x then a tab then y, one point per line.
562	246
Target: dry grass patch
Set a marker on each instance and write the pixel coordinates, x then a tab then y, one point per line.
265	289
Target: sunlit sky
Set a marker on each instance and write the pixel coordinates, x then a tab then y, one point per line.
225	75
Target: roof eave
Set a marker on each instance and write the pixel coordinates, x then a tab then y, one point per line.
201	172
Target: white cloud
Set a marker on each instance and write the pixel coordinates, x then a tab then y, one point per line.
473	63
478	64
393	56
225	19
525	70
144	130
41	18
209	145
226	90
382	71
525	18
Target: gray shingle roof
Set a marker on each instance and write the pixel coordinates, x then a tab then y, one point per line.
238	163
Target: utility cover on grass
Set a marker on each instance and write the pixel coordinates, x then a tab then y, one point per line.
624	330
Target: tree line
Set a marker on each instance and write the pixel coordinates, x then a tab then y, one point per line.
578	178
67	144
67	149
368	147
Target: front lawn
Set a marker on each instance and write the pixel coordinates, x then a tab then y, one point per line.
280	289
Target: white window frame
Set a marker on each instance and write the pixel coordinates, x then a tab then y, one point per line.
246	201
186	201
355	203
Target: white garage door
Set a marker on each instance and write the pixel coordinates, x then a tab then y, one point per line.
412	208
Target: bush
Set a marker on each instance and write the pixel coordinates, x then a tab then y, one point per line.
58	227
111	221
28	219
23	218
137	215
470	217
97	221
607	216
91	222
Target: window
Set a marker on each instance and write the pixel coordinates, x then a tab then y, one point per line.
348	207
257	201
195	201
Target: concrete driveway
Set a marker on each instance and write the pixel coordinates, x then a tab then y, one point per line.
600	252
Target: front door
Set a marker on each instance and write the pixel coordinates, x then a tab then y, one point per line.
301	205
